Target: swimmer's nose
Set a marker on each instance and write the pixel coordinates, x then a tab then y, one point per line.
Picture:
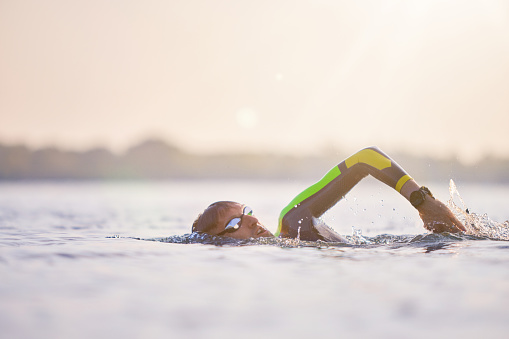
250	220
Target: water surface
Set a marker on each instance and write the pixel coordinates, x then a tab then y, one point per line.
72	265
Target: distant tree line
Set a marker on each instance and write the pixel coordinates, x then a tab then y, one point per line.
155	159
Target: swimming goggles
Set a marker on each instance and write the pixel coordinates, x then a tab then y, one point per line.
234	224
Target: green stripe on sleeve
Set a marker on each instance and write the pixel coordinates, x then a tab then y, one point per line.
327	178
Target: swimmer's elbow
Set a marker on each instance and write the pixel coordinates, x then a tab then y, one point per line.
284	226
292	218
373	148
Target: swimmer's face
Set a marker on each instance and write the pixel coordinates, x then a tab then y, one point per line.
250	227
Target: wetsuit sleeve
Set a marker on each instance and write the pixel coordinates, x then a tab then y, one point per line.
300	216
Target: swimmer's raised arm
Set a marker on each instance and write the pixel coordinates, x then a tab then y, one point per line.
299	218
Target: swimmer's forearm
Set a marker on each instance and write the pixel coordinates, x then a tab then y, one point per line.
409	187
435	215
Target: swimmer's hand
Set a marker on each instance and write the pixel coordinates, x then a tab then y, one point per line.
438	218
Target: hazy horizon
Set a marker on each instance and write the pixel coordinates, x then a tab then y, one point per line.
337	153
296	77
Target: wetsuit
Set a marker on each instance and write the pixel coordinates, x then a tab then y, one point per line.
301	217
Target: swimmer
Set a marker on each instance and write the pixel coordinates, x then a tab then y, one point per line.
300	218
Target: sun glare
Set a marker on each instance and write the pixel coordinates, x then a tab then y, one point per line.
247	118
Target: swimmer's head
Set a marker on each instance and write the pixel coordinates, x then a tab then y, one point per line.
215	219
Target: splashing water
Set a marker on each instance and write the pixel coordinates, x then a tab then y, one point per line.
357	238
476	224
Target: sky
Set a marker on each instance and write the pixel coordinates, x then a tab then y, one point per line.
299	77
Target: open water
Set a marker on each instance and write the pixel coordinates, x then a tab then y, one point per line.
115	260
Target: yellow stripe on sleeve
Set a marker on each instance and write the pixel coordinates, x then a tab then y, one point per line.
369	157
401	182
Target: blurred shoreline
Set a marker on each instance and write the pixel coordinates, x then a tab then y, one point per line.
156	159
